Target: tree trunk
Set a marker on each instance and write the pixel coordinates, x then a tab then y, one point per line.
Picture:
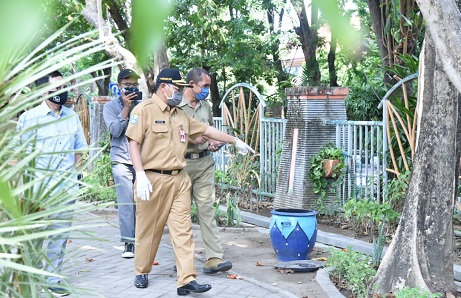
331	61
119	20
93	14
308	37
215	98
421	253
378	17
103	84
161	61
270	13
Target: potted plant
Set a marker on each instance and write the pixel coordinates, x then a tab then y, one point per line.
327	171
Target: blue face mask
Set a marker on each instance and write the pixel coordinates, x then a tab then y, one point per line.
203	94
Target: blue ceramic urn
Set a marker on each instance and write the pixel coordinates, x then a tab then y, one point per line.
293	233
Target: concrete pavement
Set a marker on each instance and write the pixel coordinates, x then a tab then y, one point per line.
95	267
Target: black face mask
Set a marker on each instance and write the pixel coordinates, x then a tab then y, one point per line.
59	99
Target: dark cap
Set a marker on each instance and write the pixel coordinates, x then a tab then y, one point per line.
126	73
172	76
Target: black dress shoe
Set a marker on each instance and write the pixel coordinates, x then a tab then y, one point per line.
141	281
193	286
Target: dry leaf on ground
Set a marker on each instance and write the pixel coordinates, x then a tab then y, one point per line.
89	259
259	264
234	276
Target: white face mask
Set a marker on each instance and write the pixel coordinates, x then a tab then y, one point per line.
175	98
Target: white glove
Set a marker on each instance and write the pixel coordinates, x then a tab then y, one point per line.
243	148
143	186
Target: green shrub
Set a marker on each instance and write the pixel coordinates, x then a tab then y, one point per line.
415	293
397	191
361	103
366	215
100	181
233	211
352	268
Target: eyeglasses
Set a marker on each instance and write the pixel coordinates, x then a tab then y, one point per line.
130	85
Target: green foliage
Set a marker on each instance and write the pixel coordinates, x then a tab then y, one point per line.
378	245
233	211
230	39
323	184
217	211
408	292
362	104
366	215
27	211
243	174
194	213
408	66
219	176
405	108
352	268
100	181
397	191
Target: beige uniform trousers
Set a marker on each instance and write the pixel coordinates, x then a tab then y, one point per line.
169	203
201	172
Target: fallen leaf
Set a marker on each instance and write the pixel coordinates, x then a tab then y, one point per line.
321	259
155	263
234	276
69	241
89	259
80	271
259	264
345	250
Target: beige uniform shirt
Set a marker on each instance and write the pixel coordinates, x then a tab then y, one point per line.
203	113
163	132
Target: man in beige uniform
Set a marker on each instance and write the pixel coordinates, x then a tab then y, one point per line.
200	167
158	132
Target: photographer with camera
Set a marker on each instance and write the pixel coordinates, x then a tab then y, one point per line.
116	115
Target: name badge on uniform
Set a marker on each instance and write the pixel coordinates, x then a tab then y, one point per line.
182	135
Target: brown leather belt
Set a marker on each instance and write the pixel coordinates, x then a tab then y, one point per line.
197	155
165	172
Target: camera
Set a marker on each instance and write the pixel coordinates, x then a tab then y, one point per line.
129	90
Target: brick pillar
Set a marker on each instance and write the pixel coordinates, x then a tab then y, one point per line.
308	108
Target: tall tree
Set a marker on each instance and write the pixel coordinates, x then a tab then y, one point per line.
130	41
275	11
398	27
227	38
421	252
308	37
